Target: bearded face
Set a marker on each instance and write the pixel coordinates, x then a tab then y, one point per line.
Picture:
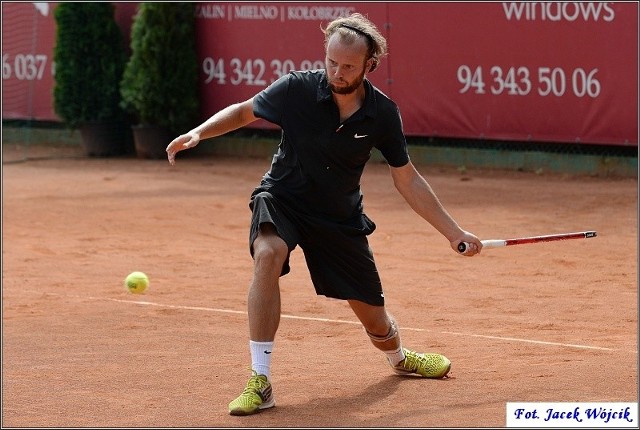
345	64
342	86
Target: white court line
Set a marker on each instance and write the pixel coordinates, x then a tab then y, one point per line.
297	317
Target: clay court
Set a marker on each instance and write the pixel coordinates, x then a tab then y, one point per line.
551	322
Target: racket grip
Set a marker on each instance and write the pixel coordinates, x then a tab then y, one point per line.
492	243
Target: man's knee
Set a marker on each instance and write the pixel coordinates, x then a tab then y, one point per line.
269	248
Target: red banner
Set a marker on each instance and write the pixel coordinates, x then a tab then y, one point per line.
28	37
523	71
544	71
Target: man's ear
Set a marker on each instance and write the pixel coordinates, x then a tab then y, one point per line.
370	65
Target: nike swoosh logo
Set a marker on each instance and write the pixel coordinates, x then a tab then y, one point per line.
359	136
267	352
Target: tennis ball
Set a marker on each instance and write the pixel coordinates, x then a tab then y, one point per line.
136	282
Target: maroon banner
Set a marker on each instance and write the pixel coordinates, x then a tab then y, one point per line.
544	71
28	37
511	70
523	71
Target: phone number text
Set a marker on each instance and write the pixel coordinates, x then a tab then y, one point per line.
24	67
520	81
256	71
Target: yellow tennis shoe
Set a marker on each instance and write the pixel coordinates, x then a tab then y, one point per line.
256	396
433	366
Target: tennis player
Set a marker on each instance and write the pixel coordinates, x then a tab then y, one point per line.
331	120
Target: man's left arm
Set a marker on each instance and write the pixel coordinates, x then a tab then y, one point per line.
418	193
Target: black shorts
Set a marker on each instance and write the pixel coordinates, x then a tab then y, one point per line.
338	255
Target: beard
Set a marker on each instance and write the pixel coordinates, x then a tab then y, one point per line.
349	88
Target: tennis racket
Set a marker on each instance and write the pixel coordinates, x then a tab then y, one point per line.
498	243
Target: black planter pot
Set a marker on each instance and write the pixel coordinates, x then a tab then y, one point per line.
106	138
151	141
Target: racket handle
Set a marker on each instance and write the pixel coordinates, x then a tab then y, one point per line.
492	243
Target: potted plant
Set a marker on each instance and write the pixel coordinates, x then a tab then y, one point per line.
159	87
90	56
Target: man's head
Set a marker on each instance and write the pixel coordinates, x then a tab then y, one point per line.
353	48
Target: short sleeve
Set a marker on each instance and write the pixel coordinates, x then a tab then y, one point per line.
269	104
393	145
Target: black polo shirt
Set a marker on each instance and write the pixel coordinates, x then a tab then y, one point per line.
320	161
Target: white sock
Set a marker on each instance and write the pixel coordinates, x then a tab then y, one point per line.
396	356
261	357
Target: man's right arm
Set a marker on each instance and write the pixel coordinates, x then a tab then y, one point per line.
228	119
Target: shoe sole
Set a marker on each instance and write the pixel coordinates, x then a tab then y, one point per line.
240	412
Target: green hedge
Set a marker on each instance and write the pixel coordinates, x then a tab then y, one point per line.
90	57
160	82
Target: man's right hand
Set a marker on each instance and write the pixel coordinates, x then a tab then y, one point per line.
180	143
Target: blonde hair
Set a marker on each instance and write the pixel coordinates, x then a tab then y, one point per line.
355	25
